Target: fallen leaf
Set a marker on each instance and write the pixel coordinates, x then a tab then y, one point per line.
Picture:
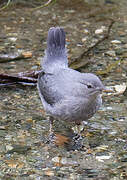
60	140
27	54
14	163
49	172
58	164
89	151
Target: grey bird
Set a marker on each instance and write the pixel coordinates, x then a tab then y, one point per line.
66	94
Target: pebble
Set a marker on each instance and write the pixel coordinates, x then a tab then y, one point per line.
98	31
13	39
86	31
102	158
9	147
56	159
111	53
84	39
64	160
116	42
125	46
101	30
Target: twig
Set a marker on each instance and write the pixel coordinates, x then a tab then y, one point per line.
46	4
29	78
5	5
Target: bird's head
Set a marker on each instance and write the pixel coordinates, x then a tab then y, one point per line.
93	84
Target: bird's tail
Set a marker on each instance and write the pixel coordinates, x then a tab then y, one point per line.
55	54
56	41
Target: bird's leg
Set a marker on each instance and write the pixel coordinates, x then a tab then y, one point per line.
77	139
77	130
51	126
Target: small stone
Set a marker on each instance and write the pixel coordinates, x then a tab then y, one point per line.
125	46
98	31
119	51
111	53
125	55
8	137
102	158
56	159
120	88
109	108
86	31
84	39
49	172
64	161
13	39
116	42
9	147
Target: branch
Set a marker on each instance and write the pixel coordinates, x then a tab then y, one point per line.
29	78
5	5
46	4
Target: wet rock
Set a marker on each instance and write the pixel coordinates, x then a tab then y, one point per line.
116	42
111	53
103	158
98	31
19	149
84	39
12	39
86	31
9	147
122	52
2	133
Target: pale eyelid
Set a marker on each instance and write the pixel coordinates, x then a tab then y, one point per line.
87	85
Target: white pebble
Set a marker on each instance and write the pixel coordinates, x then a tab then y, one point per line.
84	39
86	31
116	42
98	31
102	158
13	39
111	53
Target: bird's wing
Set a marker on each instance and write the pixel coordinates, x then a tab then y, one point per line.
56	86
47	85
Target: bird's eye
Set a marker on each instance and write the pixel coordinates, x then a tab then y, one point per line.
89	86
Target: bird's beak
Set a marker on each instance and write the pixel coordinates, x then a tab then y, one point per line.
105	90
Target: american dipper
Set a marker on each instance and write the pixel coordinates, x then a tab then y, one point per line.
66	94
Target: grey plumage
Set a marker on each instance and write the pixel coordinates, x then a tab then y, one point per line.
66	94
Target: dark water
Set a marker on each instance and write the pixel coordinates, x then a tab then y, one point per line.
25	152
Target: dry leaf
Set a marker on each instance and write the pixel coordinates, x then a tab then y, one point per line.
89	151
49	172
14	163
58	164
60	140
57	161
27	54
